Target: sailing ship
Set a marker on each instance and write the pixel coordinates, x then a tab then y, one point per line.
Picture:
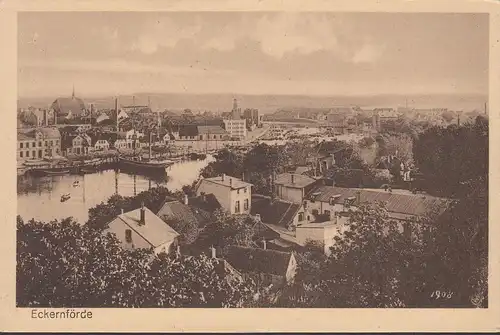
146	164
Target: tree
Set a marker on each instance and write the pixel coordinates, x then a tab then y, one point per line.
451	157
64	264
227	229
227	162
103	213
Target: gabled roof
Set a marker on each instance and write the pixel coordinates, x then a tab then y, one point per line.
63	106
277	212
402	203
177	210
207	202
258	260
188	130
50	132
302	169
228	181
155	231
23	137
299	180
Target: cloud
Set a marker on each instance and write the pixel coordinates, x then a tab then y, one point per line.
278	34
163	33
281	33
368	53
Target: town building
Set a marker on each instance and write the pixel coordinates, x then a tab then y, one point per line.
142	229
234	124
252	117
386	114
237	128
39	143
263	265
401	205
72	107
232	193
79	144
293	187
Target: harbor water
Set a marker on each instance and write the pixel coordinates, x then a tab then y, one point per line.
40	197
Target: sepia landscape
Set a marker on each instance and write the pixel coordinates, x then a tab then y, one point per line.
252	160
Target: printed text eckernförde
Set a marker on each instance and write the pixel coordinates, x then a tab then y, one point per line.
65	314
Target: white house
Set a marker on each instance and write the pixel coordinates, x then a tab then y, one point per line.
142	229
233	194
129	135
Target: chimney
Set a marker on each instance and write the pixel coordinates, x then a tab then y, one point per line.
143	215
186	199
264	244
293	178
230	181
214	252
122	210
257	218
358	198
223	175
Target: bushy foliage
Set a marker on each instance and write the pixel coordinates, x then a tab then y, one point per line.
64	264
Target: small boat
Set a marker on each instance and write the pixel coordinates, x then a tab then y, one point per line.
55	172
76	183
65	197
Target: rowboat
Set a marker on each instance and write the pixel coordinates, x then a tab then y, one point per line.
65	197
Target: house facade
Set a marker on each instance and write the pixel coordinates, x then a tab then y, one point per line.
233	194
39	143
236	128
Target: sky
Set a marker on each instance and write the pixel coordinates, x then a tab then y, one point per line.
103	53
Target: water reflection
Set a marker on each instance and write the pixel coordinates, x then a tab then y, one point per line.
39	197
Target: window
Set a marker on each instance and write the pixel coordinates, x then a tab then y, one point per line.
245	190
128	235
57	142
301	216
237	207
21	154
245	205
46	142
21	145
33	144
237	191
34	153
40	143
27	153
327	212
315	212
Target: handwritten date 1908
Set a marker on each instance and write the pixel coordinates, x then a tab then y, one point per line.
441	294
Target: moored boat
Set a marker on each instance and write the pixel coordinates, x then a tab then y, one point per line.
55	172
